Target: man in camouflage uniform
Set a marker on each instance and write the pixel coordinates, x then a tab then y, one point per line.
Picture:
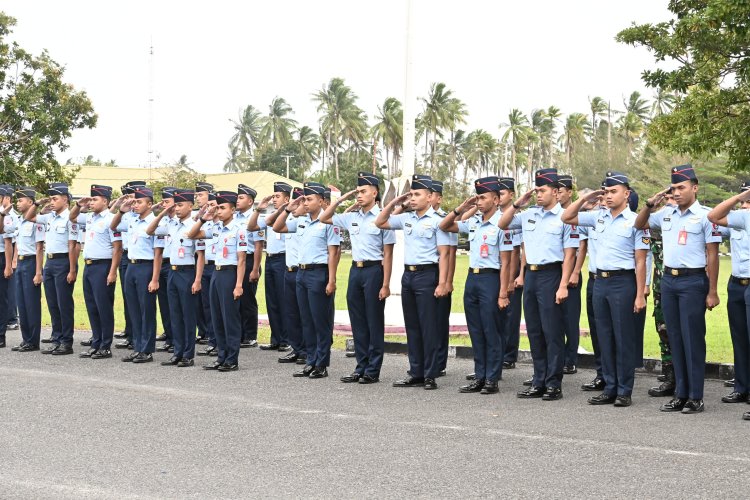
668	383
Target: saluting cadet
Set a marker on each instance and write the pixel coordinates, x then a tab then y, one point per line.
738	300
316	277
249	302
203	318
691	248
102	251
142	276
486	292
369	277
426	259
275	265
12	323
163	245
8	225
61	268
185	271
619	284
226	280
572	306
550	257
208	245
515	293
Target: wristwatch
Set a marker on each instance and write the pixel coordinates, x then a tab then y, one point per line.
515	206
455	211
650	205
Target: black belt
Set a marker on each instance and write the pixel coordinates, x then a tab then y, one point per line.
182	268
24	257
140	261
612	274
483	270
592	276
683	271
292	269
308	267
220	267
57	255
740	281
274	255
91	262
209	263
366	263
543	267
165	261
420	267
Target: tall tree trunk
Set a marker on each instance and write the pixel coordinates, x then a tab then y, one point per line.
609	132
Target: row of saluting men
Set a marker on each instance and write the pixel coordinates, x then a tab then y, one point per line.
204	265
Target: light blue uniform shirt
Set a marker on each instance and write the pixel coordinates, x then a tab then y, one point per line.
181	249
583	231
124	221
252	236
208	244
616	238
275	242
738	222
98	237
292	247
59	231
452	237
367	239
164	233
485	232
698	231
140	244
422	236
231	240
29	234
544	235
313	238
10	228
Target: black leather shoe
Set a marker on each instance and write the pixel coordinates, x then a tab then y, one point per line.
161	338
172	361
305	372
735	397
442	373
212	366
531	392
474	386
17	347
289	357
102	354
12	326
301	359
570	370
201	341
675	404
48	340
664	389
185	362
348	379
50	350
88	354
129	357
244	344
552	394
164	348
661	378
595	385
25	348
121	335
86	343
226	367
319	372
509	365
729	383
490	387
367	379
430	384
269	347
409	382
602	399
143	357
693	406
2	343
123	344
253	343
528	383
746	415
471	376
208	351
63	350
284	347
623	401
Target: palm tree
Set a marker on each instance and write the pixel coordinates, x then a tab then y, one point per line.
663	103
515	136
598	108
574	134
638	106
389	128
246	131
277	126
441	112
309	145
233	163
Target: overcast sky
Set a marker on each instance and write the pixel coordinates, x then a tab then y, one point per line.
213	58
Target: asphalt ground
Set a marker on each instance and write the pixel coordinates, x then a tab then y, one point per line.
78	428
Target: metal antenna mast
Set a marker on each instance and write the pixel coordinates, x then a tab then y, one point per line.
150	109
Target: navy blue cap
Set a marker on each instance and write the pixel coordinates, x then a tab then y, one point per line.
487	184
633	200
419	181
58	188
281	187
143	192
6	190
203	187
25	192
211	196
99	190
367	179
168	192
545	176
129	187
745	186
437	187
226	197
243	189
615	179
183	195
682	173
297	192
507	183
314	188
327	194
565	181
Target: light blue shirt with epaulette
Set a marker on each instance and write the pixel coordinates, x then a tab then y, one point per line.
10	228
275	242
181	249
208	243
616	238
231	240
292	246
452	237
98	237
313	238
544	234
422	236
29	234
368	240
164	233
739	240
482	233
59	230
252	236
685	235
124	221
140	244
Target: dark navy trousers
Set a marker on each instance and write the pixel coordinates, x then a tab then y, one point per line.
163	295
12	299
59	295
738	309
544	326
183	311
421	319
275	270
4	285
571	309
367	317
591	313
316	312
100	303
29	298
225	315
683	300
249	304
614	298
486	323
513	325
123	269
142	306
205	324
444	313
291	314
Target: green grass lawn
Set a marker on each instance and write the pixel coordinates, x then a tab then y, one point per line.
718	342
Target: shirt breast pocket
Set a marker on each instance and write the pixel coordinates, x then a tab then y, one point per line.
230	242
426	232
186	242
737	235
623	232
666	225
694	228
372	229
27	230
472	234
100	228
62	229
557	230
354	230
490	238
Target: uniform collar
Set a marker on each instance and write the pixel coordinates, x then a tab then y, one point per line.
554	210
375	210
246	213
626	214
63	214
148	218
429	213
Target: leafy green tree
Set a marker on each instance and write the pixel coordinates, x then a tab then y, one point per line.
245	140
277	126
389	129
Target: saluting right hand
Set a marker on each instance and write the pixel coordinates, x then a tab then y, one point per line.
524	200
658	197
347	196
265	202
400	199
294	204
467	204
